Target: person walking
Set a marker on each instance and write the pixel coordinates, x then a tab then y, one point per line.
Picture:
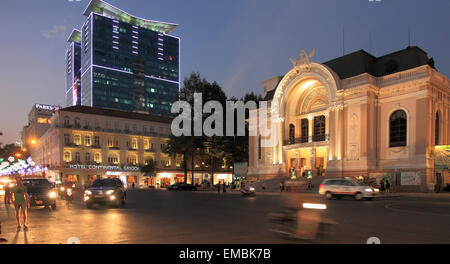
7	194
263	186
382	186
388	186
21	203
281	186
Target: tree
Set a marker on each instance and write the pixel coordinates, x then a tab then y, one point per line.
149	168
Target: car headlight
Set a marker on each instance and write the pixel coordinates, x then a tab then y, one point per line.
377	190
368	190
109	192
62	188
112	197
87	192
52	194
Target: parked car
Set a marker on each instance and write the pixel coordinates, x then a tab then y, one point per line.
105	191
345	187
181	186
40	192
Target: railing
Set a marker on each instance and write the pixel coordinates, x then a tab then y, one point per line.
309	139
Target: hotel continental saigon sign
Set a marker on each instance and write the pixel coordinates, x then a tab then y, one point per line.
103	167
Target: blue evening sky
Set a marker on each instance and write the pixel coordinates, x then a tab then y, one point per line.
237	43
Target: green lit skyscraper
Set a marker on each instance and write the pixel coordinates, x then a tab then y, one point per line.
128	63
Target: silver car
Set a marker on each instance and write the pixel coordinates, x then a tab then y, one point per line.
345	187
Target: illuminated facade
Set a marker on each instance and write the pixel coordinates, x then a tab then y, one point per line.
128	63
39	121
358	115
84	143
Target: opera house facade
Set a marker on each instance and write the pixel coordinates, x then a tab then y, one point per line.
359	116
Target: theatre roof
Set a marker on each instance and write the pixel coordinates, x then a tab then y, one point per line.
360	62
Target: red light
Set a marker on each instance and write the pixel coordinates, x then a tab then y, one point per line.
321	186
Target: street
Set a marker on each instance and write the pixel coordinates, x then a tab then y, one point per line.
164	217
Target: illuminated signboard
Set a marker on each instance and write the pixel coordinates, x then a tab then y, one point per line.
46	107
75	92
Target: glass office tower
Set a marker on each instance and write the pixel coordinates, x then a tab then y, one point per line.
128	63
73	69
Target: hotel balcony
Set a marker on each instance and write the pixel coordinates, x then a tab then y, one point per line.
315	140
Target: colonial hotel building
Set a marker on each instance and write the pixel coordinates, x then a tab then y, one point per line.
359	115
85	143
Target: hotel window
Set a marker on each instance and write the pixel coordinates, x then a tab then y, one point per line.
97	158
77	123
66	139
135	129
42	120
146	144
144	129
110	143
87	140
305	130
113	160
132	160
66	121
67	157
291	134
134	144
77	140
86	124
97	140
319	128
88	157
397	129
77	157
148	161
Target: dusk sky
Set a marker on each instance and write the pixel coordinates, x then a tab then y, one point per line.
237	43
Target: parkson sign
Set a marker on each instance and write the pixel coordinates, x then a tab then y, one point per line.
103	167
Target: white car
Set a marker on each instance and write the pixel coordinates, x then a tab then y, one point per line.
345	187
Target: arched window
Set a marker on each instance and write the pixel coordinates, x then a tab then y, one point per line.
397	129
66	121
97	158
67	157
291	134
77	157
437	129
319	128
77	122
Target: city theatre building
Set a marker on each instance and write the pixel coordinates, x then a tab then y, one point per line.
358	115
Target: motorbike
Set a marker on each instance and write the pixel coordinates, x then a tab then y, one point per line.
248	192
68	195
304	223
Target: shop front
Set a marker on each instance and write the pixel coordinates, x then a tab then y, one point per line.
85	175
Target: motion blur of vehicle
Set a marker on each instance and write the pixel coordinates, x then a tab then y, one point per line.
40	192
301	218
344	187
181	186
62	189
105	191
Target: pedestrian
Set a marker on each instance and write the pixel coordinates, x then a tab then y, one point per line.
132	185
388	186
218	188
263	186
281	186
382	187
21	203
7	194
